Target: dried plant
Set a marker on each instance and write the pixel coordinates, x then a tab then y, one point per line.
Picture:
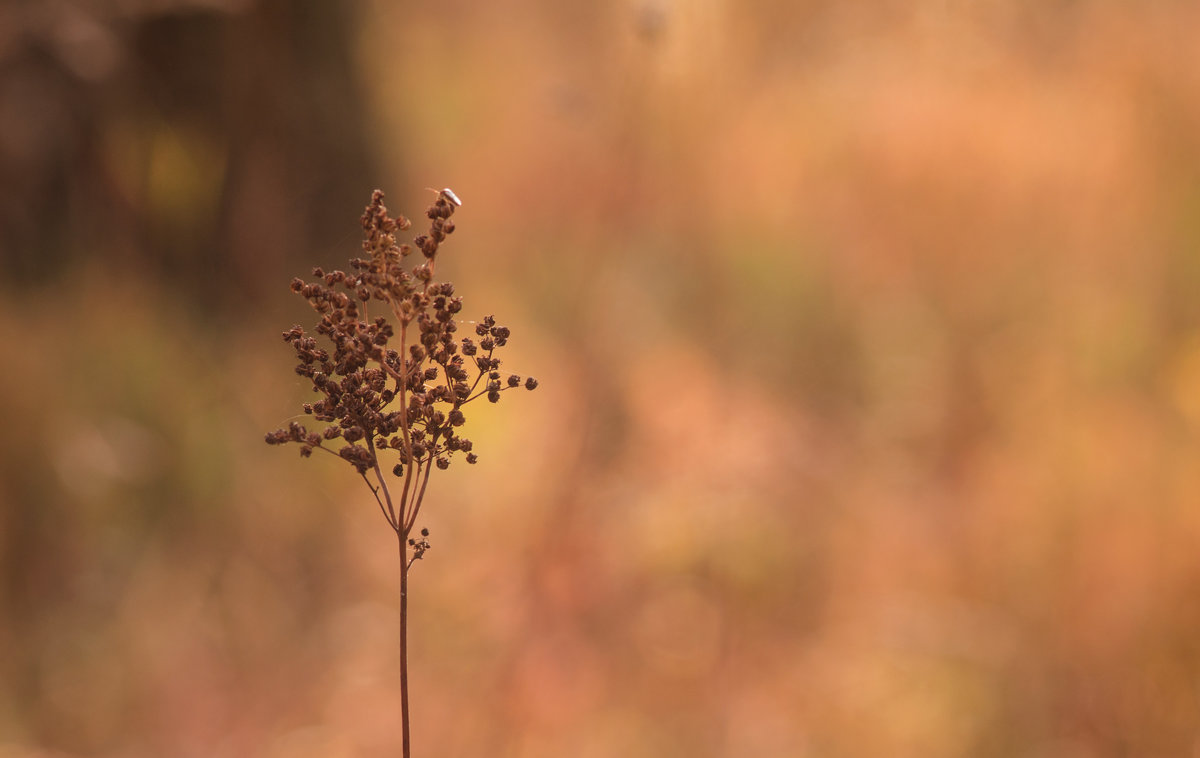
395	409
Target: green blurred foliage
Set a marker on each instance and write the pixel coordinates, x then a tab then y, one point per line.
869	348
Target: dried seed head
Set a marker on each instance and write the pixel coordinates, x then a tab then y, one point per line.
359	368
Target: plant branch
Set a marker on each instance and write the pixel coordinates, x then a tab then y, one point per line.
375	492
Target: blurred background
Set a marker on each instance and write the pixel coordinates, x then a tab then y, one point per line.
869	346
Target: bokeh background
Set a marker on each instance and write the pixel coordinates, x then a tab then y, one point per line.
869	343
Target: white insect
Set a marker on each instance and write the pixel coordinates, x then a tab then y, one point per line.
449	193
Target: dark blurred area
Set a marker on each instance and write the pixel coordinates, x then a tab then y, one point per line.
869	347
195	143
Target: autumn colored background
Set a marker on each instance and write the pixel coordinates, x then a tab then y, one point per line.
869	344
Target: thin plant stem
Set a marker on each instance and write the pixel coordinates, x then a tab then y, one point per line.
405	740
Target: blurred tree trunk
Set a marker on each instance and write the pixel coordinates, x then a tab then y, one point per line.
200	144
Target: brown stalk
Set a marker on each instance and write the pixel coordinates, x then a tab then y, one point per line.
430	378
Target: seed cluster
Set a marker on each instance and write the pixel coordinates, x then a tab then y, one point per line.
396	382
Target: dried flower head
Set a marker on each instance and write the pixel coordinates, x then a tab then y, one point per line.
395	382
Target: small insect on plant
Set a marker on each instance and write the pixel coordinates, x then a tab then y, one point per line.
449	195
394	386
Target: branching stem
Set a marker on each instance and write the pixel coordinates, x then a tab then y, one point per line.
353	378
